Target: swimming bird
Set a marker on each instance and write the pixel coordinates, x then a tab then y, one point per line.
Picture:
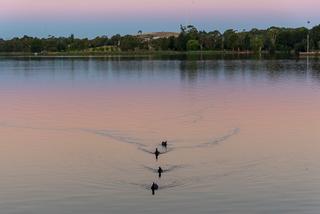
164	144
160	171
154	187
157	153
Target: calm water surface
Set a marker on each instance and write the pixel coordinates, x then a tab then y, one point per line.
244	136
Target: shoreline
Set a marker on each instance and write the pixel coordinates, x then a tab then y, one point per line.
80	54
125	53
312	53
193	55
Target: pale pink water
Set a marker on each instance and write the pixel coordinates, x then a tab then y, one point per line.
244	133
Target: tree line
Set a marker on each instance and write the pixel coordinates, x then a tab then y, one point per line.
190	38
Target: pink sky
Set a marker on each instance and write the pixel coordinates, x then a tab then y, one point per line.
16	9
85	17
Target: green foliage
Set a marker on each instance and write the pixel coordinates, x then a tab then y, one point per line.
231	39
129	43
315	37
190	39
36	46
288	38
256	43
193	45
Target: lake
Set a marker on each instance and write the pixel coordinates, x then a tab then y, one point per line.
76	135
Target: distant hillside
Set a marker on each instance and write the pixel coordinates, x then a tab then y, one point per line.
157	35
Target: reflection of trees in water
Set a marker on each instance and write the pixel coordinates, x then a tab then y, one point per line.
315	69
191	71
297	69
189	67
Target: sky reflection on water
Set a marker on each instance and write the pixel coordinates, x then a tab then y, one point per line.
71	129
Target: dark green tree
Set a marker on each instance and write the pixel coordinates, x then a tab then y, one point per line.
193	45
36	46
256	43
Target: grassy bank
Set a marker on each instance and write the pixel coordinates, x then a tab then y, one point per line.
165	55
122	53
